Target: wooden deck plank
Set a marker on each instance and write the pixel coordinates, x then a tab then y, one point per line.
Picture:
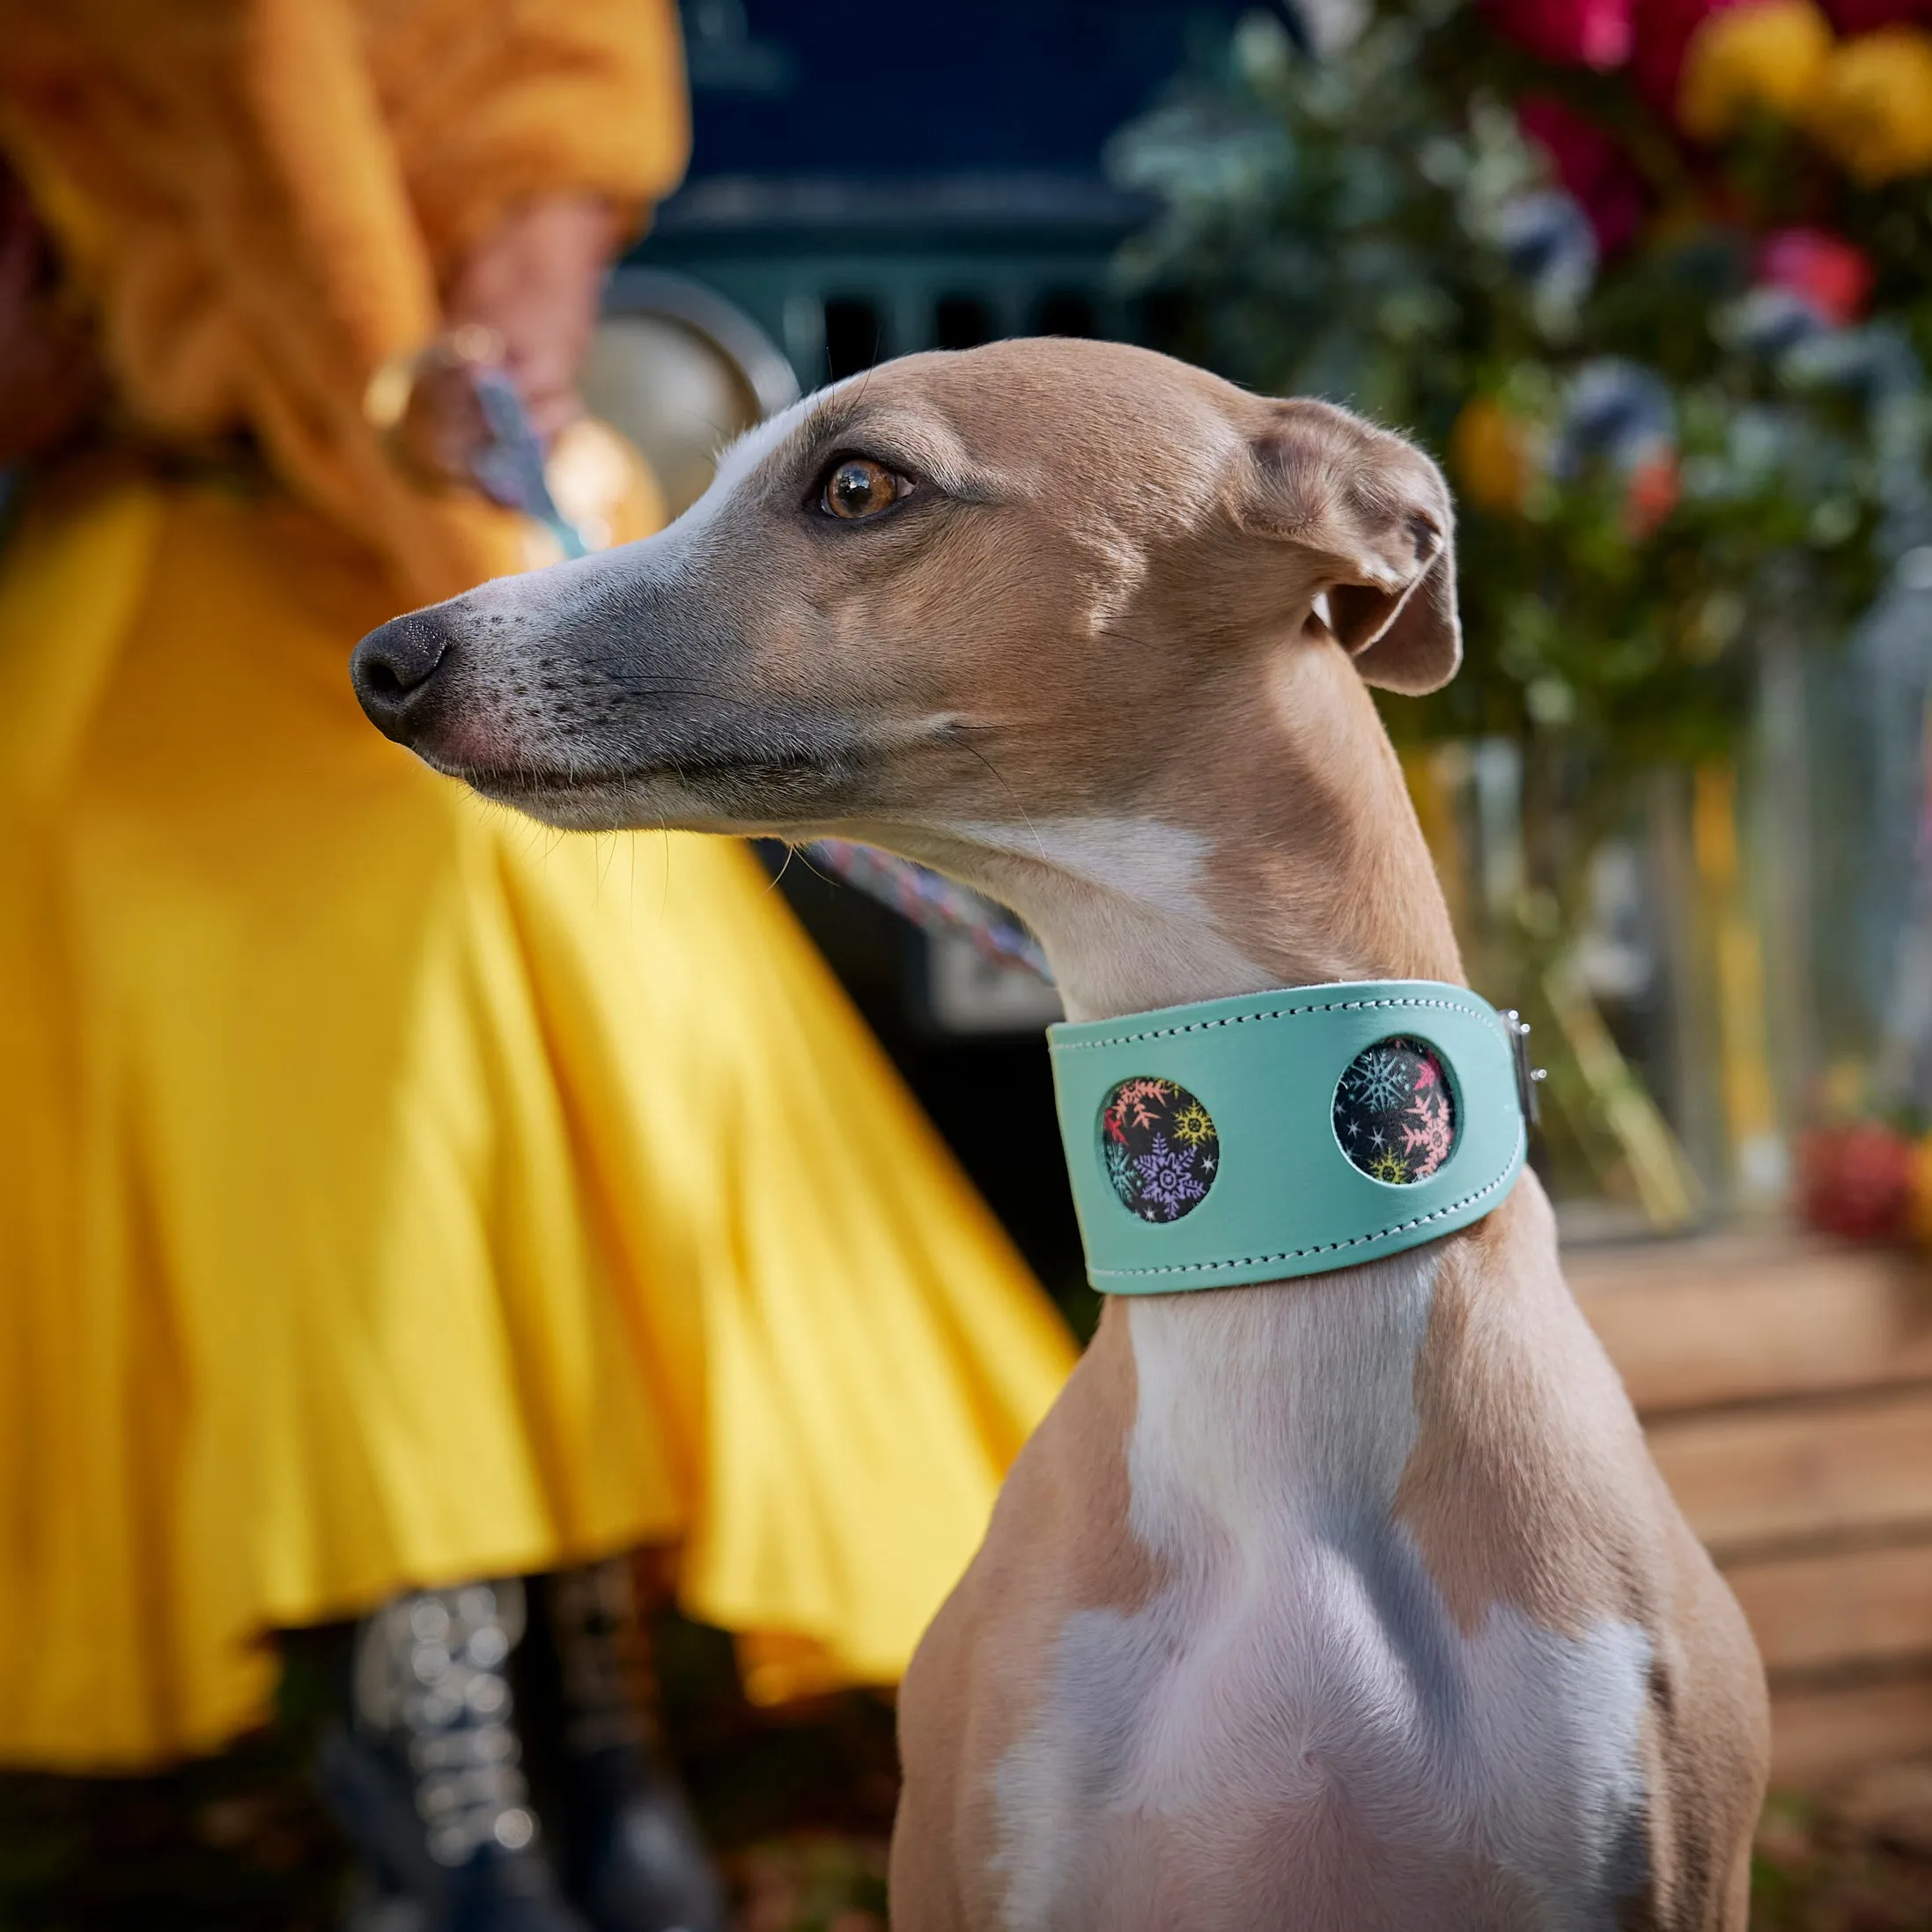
1786	1387
1820	1735
1784	1474
1858	1606
1746	1318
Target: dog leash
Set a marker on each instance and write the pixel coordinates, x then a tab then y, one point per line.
932	902
505	461
508	465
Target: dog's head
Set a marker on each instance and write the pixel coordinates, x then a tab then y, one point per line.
979	588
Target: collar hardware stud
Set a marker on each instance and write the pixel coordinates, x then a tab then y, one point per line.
1529	1079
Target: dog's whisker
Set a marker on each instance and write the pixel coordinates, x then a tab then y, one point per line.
805	858
999	777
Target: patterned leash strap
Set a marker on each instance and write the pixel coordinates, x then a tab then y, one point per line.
932	902
509	468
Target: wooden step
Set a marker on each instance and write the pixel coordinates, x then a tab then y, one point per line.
1855	1606
1785	1384
1819	1734
1788	1474
1744	1317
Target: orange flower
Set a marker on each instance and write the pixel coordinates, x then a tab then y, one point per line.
1871	110
1918	1213
1761	58
1489	451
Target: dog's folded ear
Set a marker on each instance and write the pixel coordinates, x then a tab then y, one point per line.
1372	517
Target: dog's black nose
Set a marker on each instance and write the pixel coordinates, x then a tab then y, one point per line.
392	669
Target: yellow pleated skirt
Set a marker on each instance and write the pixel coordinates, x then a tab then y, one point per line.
392	1192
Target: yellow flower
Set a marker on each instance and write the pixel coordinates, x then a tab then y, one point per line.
1489	451
1751	59
1872	109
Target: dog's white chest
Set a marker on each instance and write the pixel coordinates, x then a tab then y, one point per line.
1293	1730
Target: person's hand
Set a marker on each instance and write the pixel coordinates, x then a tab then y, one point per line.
524	303
50	375
533	282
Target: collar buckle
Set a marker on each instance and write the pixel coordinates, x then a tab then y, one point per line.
1529	1079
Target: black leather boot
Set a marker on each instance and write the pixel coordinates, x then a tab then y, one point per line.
427	1775
633	1860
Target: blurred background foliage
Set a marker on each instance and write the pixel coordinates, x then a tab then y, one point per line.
1664	416
1652	279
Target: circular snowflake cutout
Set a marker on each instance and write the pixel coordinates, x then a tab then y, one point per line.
1158	1147
1394	1111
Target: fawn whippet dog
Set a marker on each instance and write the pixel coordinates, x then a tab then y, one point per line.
1347	1602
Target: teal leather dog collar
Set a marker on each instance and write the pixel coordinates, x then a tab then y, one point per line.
1287	1134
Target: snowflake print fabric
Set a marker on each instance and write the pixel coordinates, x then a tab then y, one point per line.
1159	1148
1394	1112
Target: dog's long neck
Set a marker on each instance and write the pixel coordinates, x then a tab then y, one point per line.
1273	845
1282	850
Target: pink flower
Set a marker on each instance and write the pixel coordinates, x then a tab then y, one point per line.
1570	33
1821	268
1591	167
1652	493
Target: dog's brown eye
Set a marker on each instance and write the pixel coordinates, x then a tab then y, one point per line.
861	488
